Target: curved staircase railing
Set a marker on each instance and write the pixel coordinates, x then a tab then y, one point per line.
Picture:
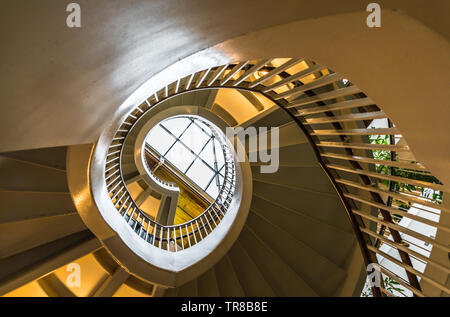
168	237
152	152
372	169
155	177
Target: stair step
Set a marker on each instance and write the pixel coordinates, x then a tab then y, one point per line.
54	157
16	238
282	279
27	266
312	178
325	208
190	289
20	205
263	202
289	134
310	266
250	278
227	280
274	117
325	240
277	118
20	175
207	284
296	155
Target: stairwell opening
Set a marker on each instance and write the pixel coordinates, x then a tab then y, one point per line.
190	153
192	149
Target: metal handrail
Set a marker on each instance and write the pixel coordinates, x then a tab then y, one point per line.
157	178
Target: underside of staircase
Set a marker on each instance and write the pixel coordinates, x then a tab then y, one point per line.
297	240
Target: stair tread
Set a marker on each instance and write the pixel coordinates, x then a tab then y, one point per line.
289	134
207	284
20	175
35	232
23	205
293	155
250	278
227	280
27	266
188	289
282	279
273	119
262	203
309	177
53	157
270	117
310	266
305	230
327	209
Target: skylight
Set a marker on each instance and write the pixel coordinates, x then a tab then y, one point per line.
189	145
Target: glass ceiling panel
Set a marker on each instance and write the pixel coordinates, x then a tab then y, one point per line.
200	174
194	138
180	156
212	190
175	138
160	140
176	125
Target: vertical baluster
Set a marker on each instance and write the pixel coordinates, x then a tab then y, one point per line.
148	228
199	229
161	229
208	222
212	217
155	228
220	209
168	239
175	238
131	216
193	233
117	193
142	225
182	238
215	212
187	233
123	204
203	226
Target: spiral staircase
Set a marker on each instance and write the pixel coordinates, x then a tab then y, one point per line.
332	207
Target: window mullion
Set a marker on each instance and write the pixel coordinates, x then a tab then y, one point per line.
190	150
176	138
216	168
192	163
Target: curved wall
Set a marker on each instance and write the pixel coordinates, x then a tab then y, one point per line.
61	86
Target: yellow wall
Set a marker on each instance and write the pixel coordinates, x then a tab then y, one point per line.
187	200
